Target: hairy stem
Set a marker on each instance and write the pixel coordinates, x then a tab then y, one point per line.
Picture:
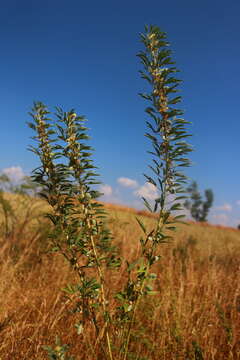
101	277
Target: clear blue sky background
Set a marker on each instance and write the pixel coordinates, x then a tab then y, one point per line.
83	54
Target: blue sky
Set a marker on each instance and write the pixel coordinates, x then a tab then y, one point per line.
82	55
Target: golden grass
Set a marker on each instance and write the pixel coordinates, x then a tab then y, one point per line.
195	315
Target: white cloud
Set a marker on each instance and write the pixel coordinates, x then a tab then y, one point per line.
15	173
148	191
238	202
109	194
224	207
124	181
106	189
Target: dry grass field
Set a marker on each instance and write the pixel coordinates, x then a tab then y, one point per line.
195	314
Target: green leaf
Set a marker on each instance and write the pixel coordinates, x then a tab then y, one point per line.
141	225
132	265
146	203
179	217
79	328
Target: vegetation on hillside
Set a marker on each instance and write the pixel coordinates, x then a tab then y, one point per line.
194	315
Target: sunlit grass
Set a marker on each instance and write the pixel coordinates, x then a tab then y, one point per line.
194	315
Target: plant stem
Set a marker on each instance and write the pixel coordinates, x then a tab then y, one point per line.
102	289
134	314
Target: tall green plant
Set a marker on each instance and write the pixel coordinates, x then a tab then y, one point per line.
167	134
67	177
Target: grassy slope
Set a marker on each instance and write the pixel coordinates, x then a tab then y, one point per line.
194	316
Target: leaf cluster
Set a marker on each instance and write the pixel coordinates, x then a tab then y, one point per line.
168	134
67	177
59	352
167	129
